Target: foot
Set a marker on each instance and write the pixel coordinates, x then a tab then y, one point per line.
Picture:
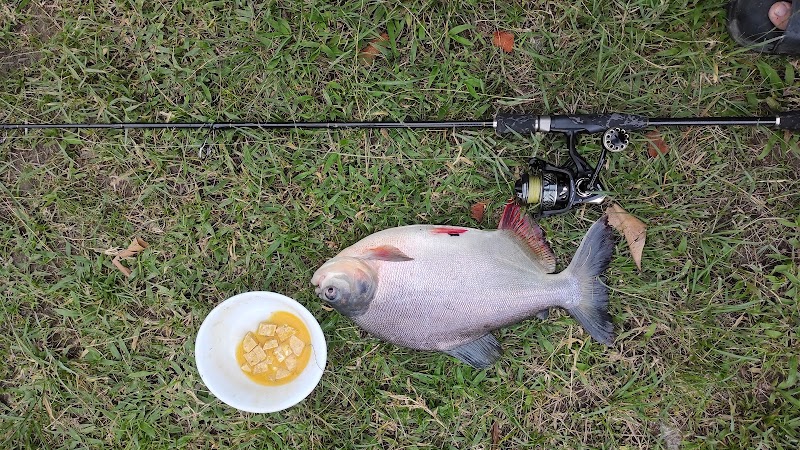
766	26
779	14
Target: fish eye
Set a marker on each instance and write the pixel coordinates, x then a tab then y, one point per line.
331	293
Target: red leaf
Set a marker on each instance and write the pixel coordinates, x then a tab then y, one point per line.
657	145
368	53
478	210
504	40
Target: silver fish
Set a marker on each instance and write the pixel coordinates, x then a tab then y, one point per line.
445	288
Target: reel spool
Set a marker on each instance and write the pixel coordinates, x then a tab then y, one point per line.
549	190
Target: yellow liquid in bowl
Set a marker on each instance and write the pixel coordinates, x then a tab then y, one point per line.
283	363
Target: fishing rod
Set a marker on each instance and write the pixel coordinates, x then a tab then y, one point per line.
546	188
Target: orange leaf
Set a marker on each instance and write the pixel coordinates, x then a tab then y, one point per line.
634	230
137	245
368	53
478	210
504	40
657	145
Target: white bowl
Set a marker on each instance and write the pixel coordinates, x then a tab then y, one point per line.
215	353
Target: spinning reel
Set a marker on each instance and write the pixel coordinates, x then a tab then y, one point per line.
552	190
549	190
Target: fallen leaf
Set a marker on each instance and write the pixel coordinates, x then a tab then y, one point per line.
504	40
232	250
657	145
48	408
634	230
495	434
116	180
478	210
137	245
368	53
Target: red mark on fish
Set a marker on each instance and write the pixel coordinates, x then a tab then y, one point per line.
452	231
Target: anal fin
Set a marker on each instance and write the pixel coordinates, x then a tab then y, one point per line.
480	353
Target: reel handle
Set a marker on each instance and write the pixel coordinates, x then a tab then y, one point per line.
789	120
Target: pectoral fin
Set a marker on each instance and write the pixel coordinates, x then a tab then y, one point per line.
386	253
480	353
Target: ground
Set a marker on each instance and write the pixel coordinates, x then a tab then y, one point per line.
707	331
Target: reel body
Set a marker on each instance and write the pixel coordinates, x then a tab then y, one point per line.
550	190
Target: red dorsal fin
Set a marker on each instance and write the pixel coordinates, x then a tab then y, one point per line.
529	232
386	253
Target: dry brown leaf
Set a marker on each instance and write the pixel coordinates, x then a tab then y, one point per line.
656	146
368	53
48	408
136	247
495	434
478	211
504	40
634	230
116	180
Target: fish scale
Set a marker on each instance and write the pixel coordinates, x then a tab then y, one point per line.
446	289
478	291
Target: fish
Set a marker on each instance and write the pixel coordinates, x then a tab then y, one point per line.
448	288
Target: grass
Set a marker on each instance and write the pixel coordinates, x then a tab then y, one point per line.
706	355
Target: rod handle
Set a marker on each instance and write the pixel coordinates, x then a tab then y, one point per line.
578	123
789	120
516	123
597	123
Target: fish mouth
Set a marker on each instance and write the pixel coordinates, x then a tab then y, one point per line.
316	280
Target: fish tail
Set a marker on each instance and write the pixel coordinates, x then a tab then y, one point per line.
590	261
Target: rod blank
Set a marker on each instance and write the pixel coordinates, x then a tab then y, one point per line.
789	120
431	125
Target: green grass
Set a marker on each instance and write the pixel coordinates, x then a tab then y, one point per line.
707	352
